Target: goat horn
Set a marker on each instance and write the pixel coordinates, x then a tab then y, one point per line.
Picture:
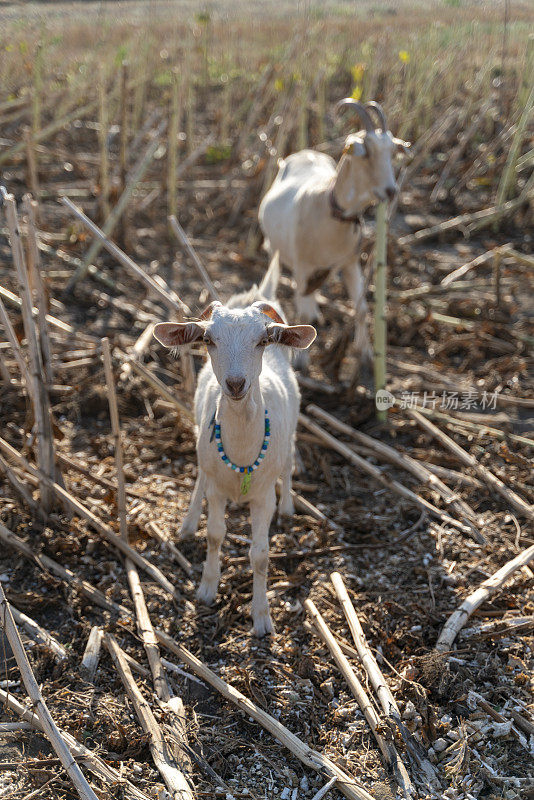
359	109
379	111
208	311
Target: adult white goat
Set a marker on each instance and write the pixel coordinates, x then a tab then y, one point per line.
312	213
246	409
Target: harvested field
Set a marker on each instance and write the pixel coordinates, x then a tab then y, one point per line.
171	108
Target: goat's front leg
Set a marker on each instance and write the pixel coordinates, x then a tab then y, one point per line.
191	519
261	514
353	279
216	530
285	506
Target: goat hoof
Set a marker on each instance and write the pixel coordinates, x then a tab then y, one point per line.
263	625
206	593
187	529
287	510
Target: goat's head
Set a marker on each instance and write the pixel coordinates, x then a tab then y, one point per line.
365	170
236	340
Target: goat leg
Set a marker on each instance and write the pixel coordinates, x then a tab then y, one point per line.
190	524
216	531
261	514
285	506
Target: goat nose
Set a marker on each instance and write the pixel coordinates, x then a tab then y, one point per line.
235	385
391	191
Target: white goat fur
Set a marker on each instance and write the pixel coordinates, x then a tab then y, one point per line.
239	332
297	221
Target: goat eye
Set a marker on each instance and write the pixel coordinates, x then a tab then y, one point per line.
263	342
207	341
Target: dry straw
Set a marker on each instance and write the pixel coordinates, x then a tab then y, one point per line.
36	386
45	718
458	619
380	311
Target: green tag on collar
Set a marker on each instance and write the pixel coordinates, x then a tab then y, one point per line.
245	483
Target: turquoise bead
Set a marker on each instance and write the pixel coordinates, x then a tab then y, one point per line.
235	467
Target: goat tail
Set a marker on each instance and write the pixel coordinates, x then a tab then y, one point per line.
269	284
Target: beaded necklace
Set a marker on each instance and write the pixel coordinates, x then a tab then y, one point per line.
246	471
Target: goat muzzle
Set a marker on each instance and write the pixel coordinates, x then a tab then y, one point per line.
236	387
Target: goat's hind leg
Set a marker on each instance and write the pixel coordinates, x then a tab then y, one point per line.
355	284
307	311
261	514
190	523
216	530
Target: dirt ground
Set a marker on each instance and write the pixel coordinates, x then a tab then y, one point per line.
405	572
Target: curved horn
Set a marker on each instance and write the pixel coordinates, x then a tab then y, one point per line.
379	111
360	109
208	311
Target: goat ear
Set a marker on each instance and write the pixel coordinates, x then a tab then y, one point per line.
174	334
401	146
299	336
208	311
269	310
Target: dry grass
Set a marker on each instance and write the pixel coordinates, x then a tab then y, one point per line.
458	54
404	583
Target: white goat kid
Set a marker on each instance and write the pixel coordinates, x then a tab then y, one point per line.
246	409
311	214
